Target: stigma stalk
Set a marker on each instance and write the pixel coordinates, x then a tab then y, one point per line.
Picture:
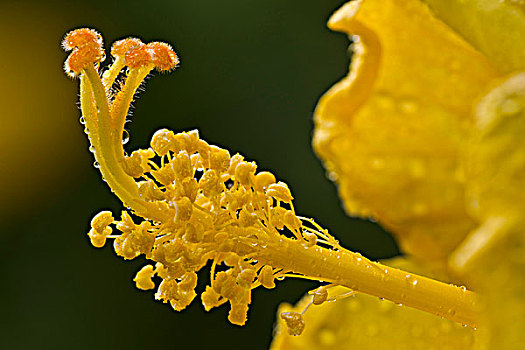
198	203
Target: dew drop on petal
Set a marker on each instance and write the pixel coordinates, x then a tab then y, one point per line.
331	175
372	330
408	106
385	102
510	106
125	137
327	337
377	163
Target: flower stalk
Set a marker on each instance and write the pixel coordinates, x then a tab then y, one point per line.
202	204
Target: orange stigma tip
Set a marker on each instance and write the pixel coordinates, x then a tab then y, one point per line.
121	47
86	45
82	37
138	57
164	58
81	58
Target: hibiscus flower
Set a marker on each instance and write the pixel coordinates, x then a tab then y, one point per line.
422	136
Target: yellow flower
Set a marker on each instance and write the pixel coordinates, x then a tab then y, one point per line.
424	135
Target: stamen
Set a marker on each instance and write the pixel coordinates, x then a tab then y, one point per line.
230	214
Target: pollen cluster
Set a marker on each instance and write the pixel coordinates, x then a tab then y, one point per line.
222	210
196	203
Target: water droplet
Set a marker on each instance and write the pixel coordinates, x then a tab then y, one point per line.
125	137
92	149
411	280
86	131
417	168
451	312
331	175
377	163
353	305
385	305
82	120
96	165
510	106
385	101
372	330
408	106
327	337
419	209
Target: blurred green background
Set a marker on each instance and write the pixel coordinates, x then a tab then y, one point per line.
251	73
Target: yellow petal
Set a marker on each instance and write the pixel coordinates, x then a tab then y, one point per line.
364	322
497	152
495	167
500	280
494	255
494	27
390	132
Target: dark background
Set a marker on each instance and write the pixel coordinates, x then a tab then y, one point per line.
251	73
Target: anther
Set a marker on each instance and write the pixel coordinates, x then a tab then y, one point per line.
320	295
294	322
266	277
102	220
143	278
280	191
262	180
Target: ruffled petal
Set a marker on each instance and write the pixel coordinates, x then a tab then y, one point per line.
494	27
390	132
493	256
